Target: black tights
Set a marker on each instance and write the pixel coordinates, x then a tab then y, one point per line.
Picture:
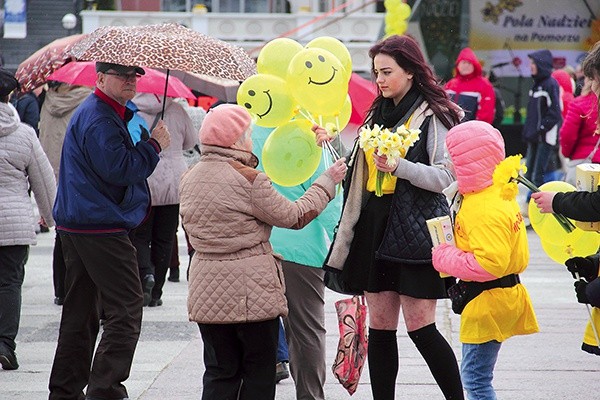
383	361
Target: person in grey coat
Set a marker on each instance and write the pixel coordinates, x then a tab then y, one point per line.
23	164
59	105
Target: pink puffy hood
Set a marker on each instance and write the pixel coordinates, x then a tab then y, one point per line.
475	148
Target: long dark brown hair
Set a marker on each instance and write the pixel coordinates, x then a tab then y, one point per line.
406	52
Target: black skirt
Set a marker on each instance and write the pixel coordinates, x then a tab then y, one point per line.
364	272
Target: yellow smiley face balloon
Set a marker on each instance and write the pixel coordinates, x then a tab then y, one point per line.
335	47
267	99
318	81
275	57
290	154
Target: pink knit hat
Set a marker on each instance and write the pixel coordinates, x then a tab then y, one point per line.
224	125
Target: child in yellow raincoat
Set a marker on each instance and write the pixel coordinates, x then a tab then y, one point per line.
491	250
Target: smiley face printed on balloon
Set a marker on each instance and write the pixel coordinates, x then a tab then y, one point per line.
267	99
317	81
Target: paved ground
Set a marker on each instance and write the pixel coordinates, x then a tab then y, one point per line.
168	361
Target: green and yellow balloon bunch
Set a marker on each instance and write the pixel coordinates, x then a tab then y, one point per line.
297	86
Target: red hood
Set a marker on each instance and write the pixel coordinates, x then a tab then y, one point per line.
564	80
467	54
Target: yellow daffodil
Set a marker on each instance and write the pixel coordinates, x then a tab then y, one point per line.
393	145
508	174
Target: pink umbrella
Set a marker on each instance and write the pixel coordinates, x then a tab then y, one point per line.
84	74
362	93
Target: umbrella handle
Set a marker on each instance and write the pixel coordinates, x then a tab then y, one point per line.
162	113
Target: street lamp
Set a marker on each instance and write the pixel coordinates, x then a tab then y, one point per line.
69	22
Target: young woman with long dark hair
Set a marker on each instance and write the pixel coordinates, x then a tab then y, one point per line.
382	246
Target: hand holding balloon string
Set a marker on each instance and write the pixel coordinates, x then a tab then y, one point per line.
323	137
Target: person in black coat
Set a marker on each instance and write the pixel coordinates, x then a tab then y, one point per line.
28	107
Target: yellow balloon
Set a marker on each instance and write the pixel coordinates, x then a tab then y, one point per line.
401	27
580	244
290	154
545	224
338	121
559	244
318	81
403	11
267	98
274	58
335	47
391	4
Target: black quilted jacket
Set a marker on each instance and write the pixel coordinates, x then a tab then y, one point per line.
406	237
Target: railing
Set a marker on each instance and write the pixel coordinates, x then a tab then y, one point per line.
252	30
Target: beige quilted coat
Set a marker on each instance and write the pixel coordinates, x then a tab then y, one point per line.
228	209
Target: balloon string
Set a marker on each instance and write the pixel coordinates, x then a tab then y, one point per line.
590	314
307	115
328	146
333	152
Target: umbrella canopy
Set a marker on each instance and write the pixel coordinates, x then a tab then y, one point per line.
84	74
34	71
362	93
166	46
222	89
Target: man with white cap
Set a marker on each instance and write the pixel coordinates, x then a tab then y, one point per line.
102	195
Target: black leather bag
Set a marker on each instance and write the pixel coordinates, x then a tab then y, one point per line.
460	295
333	282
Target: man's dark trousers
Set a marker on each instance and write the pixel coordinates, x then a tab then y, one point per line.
98	267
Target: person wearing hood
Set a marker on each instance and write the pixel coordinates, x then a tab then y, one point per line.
154	238
491	251
23	164
236	284
59	105
566	87
470	89
544	118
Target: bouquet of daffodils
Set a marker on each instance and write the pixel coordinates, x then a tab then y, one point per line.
508	174
394	145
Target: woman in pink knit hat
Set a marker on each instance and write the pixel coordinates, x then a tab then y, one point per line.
236	286
491	251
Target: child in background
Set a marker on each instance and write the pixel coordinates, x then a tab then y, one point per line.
491	250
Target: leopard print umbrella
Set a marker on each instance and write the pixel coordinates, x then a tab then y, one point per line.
166	46
34	71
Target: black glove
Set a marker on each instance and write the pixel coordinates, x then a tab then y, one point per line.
580	287
584	266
